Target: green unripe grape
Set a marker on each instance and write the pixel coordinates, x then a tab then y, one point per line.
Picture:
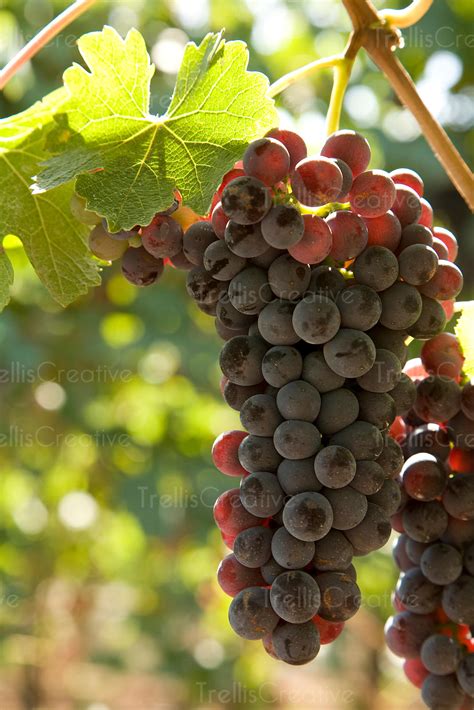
104	247
79	211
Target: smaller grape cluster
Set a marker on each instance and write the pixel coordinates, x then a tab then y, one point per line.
435	551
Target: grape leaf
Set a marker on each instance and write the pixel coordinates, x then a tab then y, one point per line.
128	161
54	241
465	333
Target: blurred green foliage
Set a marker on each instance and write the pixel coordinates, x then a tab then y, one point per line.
108	550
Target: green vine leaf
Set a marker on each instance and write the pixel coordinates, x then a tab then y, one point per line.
465	333
54	241
128	161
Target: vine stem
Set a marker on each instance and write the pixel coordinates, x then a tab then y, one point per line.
288	79
342	75
407	17
42	38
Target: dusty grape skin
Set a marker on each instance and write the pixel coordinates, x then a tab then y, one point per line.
246	200
316	181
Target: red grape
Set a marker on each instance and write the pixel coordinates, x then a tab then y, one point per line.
225	453
316	242
441	249
349	235
407	205
415	671
426	218
231	516
405	176
267	160
328	630
372	194
350	147
219	220
442	355
316	181
445	284
232	576
384	231
461	461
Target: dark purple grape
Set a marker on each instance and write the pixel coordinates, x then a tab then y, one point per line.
246	200
141	268
251	615
308	516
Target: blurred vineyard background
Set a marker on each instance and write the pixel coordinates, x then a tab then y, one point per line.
108	551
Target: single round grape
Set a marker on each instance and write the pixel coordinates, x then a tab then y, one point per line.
441	654
283	226
447	282
349	146
245	240
458	498
339	409
441	563
449	240
316	181
241	359
316	242
294	144
141	268
384	373
384	231
260	415
308	516
233	577
275	323
296	644
415	234
295	596
360	307
251	615
369	477
267	159
424	477
458	600
282	364
391	459
351	353
295	439
389	497
104	247
424	521
299	400
333	553
163	237
298	476
202	287
441	249
373	193
221	263
340	596
258	453
219	220
252	547
249	291
230	317
289	552
418	264
316	319
288	278
372	533
377	408
349	235
437	399
225	452
335	466
246	200
401	306
196	240
376	267
317	372
348	505
326	281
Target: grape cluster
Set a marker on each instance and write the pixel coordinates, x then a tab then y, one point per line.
315	310
435	551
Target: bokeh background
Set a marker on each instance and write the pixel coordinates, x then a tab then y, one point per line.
108	410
